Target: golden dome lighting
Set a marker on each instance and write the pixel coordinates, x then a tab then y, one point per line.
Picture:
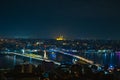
60	38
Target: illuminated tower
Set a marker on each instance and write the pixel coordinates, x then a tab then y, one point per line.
45	56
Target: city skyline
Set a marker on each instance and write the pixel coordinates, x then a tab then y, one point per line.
49	19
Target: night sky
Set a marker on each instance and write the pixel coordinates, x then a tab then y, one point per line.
76	19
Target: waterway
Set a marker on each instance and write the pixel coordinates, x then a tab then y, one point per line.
9	61
110	59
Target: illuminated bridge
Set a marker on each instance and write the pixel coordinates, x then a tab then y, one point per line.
37	57
75	56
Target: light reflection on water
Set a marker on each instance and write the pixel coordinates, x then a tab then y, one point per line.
101	58
104	58
10	61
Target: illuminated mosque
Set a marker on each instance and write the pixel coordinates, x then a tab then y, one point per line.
60	38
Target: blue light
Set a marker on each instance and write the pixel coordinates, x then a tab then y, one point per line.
74	60
111	66
53	55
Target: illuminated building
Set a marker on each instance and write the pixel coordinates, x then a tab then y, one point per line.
60	38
